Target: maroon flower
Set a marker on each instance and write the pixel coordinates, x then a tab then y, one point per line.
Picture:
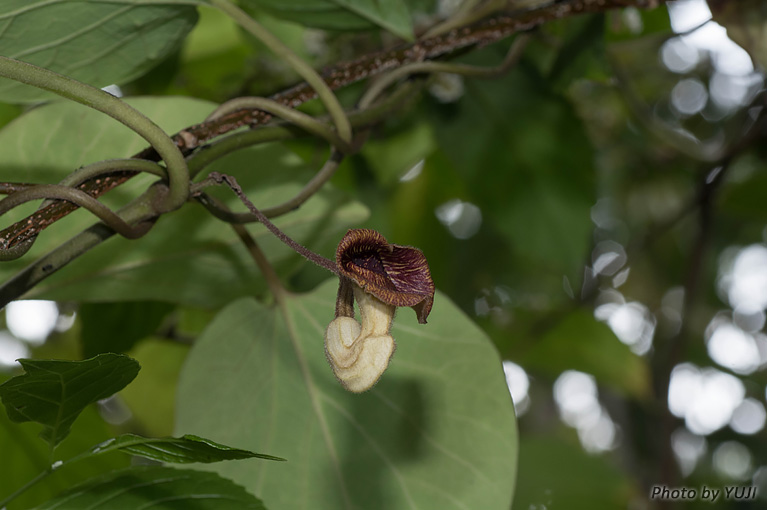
397	275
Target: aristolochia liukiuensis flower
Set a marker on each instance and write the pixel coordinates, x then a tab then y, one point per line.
381	277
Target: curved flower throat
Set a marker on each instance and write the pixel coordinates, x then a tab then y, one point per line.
381	277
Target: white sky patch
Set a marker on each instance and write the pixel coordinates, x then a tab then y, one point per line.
11	349
688	449
734	80
462	219
65	321
706	398
632	322
688	14
731	347
608	257
749	417
414	172
576	396
114	90
689	96
519	384
679	56
728	57
114	411
749	320
744	279
733	460
32	320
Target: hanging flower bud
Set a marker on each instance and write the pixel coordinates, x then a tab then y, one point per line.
379	276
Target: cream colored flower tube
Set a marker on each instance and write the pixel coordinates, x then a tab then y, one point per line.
360	353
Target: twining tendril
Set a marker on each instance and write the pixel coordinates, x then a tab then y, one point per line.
78	197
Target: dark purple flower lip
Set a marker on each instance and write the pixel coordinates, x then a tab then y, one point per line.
397	275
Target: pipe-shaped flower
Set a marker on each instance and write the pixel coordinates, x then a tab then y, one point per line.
397	275
379	276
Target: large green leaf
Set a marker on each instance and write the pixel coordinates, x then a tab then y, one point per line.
392	15
580	342
98	43
54	392
183	450
437	431
189	257
160	488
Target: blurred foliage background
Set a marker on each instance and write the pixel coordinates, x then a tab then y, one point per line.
599	211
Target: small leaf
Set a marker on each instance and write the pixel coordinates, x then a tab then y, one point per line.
182	450
161	488
54	393
98	43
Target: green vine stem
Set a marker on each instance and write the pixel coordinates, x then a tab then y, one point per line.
320	178
78	197
8	188
512	56
295	117
303	69
16	237
103	171
222	212
115	108
142	208
109	166
139	210
67	190
235	141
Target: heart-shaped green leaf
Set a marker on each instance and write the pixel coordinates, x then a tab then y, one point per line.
436	432
54	392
